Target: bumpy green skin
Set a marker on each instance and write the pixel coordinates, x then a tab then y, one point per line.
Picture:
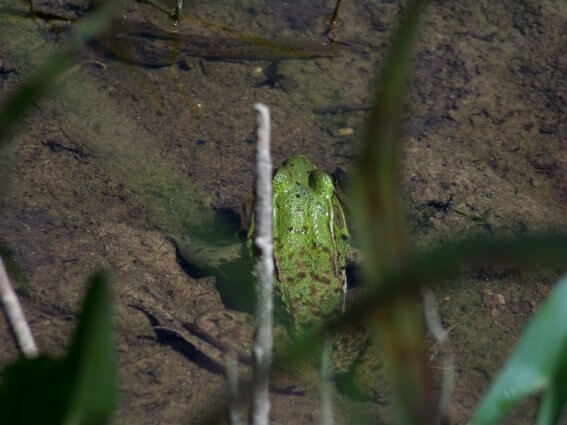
310	243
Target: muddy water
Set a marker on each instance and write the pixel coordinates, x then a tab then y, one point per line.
122	155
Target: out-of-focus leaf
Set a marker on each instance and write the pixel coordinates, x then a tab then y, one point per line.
45	77
81	388
90	359
376	179
33	392
555	397
382	228
539	363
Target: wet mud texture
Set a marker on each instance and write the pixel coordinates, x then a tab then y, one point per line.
123	155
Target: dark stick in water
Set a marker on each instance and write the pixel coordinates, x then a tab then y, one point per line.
147	44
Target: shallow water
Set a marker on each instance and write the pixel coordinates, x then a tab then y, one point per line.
120	156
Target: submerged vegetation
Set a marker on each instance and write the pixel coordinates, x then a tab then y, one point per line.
395	273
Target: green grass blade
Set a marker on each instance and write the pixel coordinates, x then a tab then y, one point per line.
376	179
535	365
554	399
383	228
90	359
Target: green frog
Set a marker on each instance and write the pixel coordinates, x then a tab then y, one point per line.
311	241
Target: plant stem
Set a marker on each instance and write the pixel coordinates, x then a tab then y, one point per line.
15	315
264	269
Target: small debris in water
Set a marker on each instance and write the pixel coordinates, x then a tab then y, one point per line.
342	132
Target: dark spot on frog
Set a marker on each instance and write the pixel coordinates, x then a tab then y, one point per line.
297	194
315	309
321	279
301	275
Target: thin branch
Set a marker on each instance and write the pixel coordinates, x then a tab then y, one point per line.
441	335
264	269
178	10
326	383
15	315
232	378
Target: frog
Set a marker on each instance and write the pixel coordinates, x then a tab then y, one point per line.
311	244
311	240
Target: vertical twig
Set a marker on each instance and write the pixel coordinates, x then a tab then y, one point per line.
326	383
15	315
264	269
178	10
333	21
232	378
441	335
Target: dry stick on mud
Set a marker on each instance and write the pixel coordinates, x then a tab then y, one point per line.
15	315
264	269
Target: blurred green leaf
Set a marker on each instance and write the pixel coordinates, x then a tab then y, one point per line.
538	364
33	392
382	227
90	359
46	76
80	389
375	186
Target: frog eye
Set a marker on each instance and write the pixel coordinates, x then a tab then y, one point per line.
321	183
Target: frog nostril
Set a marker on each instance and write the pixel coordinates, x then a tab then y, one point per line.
297	195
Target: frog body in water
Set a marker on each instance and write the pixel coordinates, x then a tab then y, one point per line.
311	241
150	45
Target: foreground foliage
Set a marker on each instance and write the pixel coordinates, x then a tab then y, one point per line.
80	388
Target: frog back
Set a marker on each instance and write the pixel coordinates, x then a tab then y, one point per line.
310	243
